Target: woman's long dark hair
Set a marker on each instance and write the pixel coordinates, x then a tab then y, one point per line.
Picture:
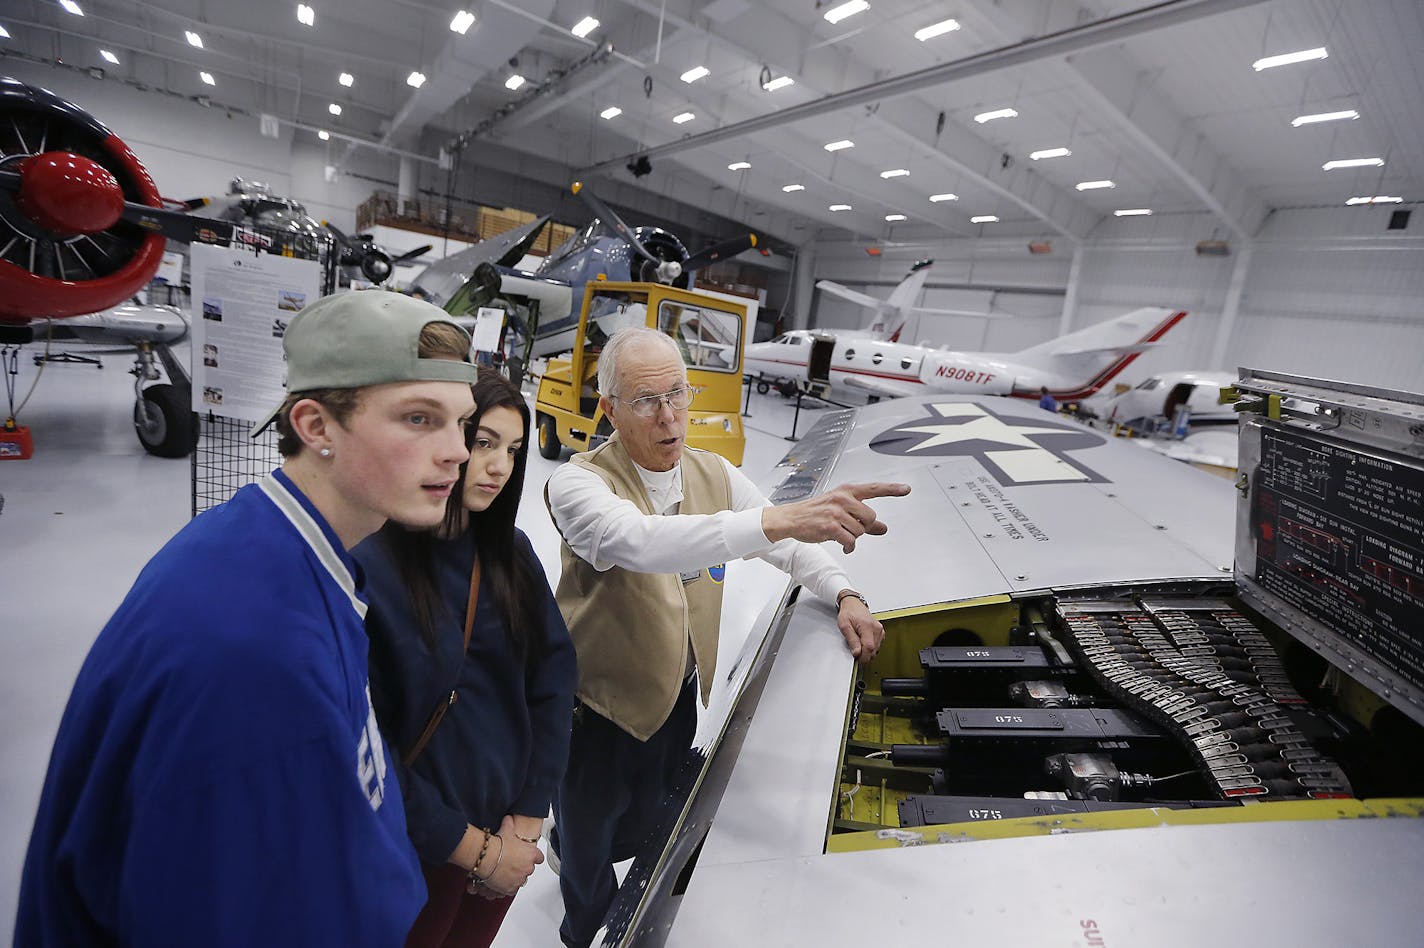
507	570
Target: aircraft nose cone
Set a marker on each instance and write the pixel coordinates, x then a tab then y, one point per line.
69	194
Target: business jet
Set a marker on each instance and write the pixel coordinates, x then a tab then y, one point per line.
1071	367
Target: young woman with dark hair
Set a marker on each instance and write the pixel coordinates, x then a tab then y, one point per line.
472	679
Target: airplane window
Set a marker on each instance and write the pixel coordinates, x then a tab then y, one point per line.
905	362
709	338
877	357
794	340
850	353
1150	384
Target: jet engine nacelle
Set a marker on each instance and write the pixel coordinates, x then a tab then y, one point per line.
66	251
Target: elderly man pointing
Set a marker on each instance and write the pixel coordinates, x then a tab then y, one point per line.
641	591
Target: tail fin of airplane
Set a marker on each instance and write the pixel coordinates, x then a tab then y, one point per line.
1098	353
888	316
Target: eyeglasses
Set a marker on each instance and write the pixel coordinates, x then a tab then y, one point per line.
649	405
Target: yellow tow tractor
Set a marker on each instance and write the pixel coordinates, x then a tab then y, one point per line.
711	333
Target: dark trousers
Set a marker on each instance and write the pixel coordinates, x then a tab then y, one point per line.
608	804
452	918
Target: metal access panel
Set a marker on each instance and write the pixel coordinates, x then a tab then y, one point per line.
1330	524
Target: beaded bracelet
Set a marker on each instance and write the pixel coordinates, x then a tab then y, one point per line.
489	834
498	857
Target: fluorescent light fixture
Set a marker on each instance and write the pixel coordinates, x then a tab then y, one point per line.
984	219
739	166
1050	153
1093	185
849	8
4	33
839	207
207	78
895	173
1133	212
462	21
346	79
892	218
780	82
415	80
334	109
306	15
584	27
193	39
1300	120
946	196
695	73
983	117
611	112
1377	199
1352	163
71	7
324	135
838	146
514	82
682	118
1285	59
108	56
936	29
790	188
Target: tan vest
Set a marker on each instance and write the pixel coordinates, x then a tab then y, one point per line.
631	629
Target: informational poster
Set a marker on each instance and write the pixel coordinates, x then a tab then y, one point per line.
489	323
242	303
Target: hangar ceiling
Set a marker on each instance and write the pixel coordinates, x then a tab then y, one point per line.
1169	102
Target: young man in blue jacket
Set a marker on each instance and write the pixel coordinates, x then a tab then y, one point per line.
218	777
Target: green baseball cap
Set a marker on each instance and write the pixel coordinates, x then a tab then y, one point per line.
360	338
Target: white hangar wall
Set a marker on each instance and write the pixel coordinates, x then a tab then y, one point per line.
1326	291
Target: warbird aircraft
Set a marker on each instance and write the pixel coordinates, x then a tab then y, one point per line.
1119	701
1072	367
252	202
484	272
889	316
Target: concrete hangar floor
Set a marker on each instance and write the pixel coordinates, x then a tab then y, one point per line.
82	517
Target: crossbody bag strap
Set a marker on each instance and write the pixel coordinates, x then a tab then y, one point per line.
438	714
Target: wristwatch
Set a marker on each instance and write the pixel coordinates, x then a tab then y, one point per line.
850	593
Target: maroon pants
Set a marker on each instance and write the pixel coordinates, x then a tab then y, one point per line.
452	918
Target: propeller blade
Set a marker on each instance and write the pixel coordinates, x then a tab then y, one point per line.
176	225
409	255
721	251
605	214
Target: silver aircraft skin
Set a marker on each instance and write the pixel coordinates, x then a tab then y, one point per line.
1071	367
1006	502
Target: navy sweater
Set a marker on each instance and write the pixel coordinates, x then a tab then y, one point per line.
503	745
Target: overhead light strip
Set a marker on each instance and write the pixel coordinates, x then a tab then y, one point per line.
1300	120
936	29
1352	163
462	22
1133	212
983	117
1286	59
848	9
1050	153
1377	199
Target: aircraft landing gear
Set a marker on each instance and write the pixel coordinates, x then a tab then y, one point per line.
763	386
163	415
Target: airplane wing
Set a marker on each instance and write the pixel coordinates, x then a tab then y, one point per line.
443	278
885	388
835	289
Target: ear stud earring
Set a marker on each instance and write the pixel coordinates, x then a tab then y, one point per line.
326	452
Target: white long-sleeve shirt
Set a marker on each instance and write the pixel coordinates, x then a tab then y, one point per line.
606	530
